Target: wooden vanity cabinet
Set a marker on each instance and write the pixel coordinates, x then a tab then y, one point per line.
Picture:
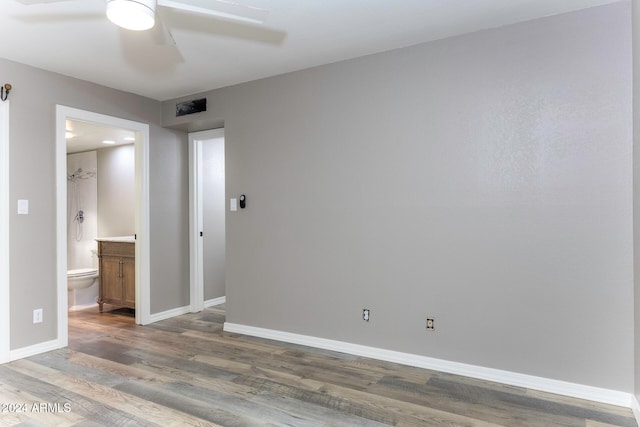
117	280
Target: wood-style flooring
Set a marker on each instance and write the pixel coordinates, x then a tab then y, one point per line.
187	371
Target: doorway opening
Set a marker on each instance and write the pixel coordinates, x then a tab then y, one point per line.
67	117
207	218
100	204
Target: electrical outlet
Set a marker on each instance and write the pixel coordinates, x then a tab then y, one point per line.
431	326
365	314
37	315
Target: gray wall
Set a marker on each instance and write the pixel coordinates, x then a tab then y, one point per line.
169	205
32	144
82	194
116	191
485	180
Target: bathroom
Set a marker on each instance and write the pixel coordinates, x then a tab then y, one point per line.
100	201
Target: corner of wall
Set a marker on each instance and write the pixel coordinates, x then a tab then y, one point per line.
635	24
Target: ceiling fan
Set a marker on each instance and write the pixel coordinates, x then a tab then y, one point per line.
142	15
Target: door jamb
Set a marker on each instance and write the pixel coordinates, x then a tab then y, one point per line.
5	291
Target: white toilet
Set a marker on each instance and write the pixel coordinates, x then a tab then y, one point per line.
82	294
81	278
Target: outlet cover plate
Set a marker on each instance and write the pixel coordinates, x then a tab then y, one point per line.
37	315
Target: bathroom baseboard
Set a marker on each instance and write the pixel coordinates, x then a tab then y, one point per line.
83	307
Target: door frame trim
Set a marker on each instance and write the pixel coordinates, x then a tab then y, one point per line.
143	271
5	277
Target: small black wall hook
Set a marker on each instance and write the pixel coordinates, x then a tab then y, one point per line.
4	91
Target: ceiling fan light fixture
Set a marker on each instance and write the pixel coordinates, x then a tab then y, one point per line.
135	15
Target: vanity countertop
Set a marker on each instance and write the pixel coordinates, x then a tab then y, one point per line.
116	239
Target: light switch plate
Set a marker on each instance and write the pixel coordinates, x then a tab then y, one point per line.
23	207
233	205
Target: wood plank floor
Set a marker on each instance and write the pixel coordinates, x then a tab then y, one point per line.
187	371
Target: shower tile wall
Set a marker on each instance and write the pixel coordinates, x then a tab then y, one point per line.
82	194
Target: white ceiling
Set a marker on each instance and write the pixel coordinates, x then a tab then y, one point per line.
83	136
74	38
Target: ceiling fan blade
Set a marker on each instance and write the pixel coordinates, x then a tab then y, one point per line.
160	33
219	8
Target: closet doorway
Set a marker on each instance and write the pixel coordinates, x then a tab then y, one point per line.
207	218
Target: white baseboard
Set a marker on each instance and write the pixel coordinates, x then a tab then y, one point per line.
215	301
635	407
32	350
169	313
21	353
580	391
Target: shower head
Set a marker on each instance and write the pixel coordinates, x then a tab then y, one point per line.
79	174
